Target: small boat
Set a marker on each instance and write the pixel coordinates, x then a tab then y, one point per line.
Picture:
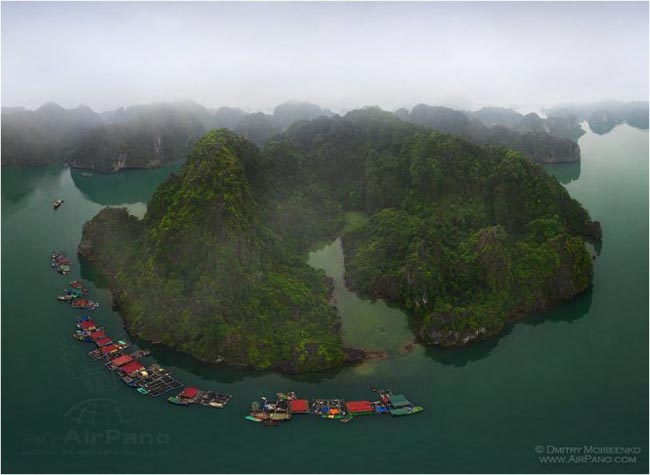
253	419
86	174
65	298
345	420
333	416
286	396
143	391
81	337
406	411
57	204
177	401
63	269
216	404
279	416
84	304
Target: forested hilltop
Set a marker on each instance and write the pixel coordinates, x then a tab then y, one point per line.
152	135
464	236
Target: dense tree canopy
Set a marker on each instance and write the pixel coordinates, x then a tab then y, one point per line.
465	236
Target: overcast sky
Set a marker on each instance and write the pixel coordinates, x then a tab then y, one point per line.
340	55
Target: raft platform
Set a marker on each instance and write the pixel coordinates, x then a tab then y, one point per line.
109	349
192	395
394	404
274	410
157	381
329	408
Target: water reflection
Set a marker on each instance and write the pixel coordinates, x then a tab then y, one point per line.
564	172
126	186
566	312
459	357
18	183
223	373
167	357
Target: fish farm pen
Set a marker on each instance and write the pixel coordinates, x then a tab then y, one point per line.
153	380
191	395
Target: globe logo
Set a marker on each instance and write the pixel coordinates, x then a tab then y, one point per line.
98	412
95	378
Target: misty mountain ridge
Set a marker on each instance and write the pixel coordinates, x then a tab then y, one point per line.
150	135
603	116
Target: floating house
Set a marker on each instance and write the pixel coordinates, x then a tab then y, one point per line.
359	408
97	335
121	360
104	341
131	368
86	325
299	406
400	406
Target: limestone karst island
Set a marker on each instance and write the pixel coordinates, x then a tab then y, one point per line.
324	237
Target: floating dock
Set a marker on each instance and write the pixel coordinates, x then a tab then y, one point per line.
192	395
329	408
395	404
359	408
157	381
288	404
272	410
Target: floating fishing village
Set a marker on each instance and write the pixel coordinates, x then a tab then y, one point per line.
154	381
151	380
272	412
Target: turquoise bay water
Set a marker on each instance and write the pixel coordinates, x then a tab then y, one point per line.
575	376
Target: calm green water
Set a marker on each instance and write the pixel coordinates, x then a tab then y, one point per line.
575	376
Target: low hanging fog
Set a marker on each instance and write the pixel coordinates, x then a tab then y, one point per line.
339	55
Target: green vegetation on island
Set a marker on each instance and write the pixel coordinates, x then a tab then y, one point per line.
204	274
464	236
469	238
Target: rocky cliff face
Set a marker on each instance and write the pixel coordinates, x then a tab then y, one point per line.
107	156
541	147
